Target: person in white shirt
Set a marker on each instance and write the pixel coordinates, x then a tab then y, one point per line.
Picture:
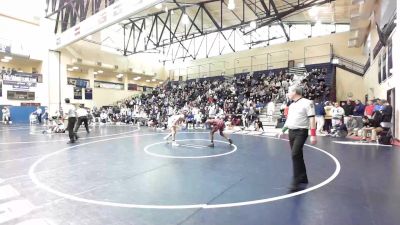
337	114
70	112
82	114
301	117
211	111
6	115
103	117
173	123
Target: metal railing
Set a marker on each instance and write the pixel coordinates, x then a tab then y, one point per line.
352	66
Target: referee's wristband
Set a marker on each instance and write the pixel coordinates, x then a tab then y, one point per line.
313	132
284	129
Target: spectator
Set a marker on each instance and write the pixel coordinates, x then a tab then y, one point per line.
337	114
328	117
348	108
359	108
372	125
352	126
387	111
378	106
369	109
319	117
39	114
6	115
340	129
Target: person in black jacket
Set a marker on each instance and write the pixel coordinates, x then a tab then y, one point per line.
387	112
348	110
372	125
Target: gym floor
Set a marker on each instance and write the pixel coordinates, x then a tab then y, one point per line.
125	175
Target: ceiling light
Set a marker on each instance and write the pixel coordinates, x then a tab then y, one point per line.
120	75
75	68
147	81
20	71
231	5
160	82
153	80
253	24
94	73
5	60
159	6
166	9
185	19
172	12
100	71
8	57
70	69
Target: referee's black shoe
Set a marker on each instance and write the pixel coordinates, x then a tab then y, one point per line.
297	187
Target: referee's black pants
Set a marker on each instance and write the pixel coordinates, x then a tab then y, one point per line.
71	124
84	120
297	138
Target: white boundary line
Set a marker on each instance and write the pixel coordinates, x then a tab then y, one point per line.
43	186
50	141
20	128
360	143
146	150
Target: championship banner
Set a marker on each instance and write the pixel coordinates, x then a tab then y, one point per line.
77	93
113	14
20	80
88	93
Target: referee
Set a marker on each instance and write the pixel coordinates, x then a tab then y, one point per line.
70	112
301	117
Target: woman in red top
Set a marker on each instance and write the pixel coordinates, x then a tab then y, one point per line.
369	109
217	124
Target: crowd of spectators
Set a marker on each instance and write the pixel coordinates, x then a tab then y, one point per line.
238	100
353	118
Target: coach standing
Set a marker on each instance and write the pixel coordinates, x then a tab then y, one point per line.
301	117
70	112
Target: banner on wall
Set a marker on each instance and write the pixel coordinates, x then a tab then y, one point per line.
77	82
77	93
132	87
20	80
88	93
108	85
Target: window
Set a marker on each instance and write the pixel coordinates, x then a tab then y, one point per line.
321	29
383	65
300	31
342	28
